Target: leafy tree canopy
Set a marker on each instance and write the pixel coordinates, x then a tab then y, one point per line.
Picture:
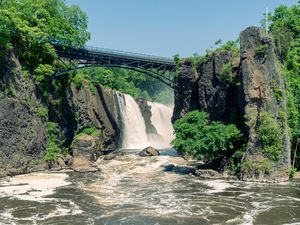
30	27
204	139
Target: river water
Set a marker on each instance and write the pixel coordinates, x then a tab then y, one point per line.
135	190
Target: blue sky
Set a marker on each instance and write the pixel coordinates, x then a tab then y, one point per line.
167	27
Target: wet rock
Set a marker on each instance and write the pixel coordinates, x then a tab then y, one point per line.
208	174
147	114
87	146
169	167
149	151
110	156
183	170
68	160
61	162
82	165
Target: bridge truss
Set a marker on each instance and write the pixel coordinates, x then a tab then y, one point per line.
159	68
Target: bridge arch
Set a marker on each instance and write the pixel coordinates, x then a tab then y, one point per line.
159	68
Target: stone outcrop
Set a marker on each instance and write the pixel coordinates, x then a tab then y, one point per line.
203	88
149	151
22	131
98	110
88	146
208	174
23	124
186	90
257	95
264	102
146	113
216	95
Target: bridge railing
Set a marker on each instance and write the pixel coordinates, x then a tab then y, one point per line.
129	54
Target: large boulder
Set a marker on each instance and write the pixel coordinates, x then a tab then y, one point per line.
208	174
149	151
82	165
87	146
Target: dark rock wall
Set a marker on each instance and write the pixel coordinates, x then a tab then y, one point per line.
186	90
204	89
22	132
146	113
99	110
259	73
255	73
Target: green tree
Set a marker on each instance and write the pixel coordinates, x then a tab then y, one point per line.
285	28
204	139
31	27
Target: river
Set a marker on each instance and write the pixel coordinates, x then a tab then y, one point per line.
135	190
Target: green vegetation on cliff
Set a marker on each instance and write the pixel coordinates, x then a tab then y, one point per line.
126	81
30	28
204	139
285	28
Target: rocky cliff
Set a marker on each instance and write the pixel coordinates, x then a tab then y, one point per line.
267	154
23	135
24	116
251	94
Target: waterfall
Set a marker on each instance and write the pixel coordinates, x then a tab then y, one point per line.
161	120
134	135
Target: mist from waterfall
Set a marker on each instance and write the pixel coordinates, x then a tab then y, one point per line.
134	135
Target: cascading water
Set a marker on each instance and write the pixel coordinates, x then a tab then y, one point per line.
161	120
134	129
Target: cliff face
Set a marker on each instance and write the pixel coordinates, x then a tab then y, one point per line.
268	150
203	88
22	132
23	126
99	110
186	90
255	102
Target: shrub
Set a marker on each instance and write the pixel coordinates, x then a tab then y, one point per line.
293	172
78	80
53	148
261	49
43	113
278	92
204	139
93	131
271	136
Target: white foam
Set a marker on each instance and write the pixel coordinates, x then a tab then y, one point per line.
217	185
297	223
33	187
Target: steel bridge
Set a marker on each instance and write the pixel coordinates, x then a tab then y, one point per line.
159	68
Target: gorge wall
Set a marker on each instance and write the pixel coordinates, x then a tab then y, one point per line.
83	122
250	95
24	117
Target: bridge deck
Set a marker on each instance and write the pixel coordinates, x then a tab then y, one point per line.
136	56
160	68
101	56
